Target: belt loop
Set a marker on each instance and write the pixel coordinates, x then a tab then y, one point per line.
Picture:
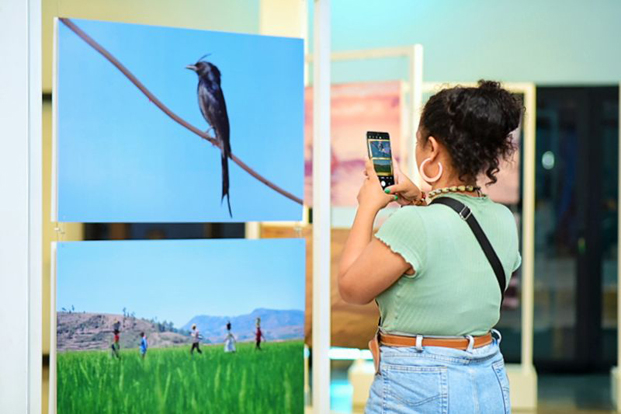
470	343
419	343
498	334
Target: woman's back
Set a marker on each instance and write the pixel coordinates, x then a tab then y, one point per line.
454	290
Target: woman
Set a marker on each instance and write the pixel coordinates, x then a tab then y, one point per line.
229	341
425	268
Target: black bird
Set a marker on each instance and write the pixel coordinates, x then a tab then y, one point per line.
213	107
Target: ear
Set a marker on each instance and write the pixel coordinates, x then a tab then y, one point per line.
434	147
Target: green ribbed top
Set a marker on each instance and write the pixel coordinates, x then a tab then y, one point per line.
454	290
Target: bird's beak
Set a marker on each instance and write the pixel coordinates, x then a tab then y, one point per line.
191	67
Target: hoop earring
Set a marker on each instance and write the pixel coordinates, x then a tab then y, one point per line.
425	177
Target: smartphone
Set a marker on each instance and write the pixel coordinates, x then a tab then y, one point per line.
380	153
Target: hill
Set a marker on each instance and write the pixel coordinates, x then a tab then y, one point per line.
276	325
91	331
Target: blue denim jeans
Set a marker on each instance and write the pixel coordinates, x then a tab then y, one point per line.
440	380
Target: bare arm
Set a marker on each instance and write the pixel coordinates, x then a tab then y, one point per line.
367	266
359	237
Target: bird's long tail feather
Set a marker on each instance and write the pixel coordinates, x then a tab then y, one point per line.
225	179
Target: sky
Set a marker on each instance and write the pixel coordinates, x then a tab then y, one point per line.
121	159
175	280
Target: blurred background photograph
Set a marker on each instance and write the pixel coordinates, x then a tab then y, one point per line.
180	326
356	108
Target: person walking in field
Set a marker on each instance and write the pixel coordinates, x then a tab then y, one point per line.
229	341
196	337
143	345
258	336
116	346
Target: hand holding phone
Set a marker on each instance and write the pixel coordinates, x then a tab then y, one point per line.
408	192
380	154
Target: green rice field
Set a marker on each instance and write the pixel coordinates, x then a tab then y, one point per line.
170	380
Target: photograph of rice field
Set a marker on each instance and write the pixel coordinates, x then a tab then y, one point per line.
169	380
131	338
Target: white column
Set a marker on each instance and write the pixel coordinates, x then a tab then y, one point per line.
20	209
321	208
416	106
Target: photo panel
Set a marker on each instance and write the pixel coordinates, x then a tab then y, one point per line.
380	148
123	155
355	109
382	167
179	326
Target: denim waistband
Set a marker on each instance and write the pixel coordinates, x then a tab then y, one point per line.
444	354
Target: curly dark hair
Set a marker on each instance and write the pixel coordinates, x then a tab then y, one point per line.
474	124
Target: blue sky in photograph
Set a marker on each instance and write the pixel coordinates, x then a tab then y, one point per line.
121	159
175	280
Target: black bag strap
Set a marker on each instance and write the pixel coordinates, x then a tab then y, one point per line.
466	215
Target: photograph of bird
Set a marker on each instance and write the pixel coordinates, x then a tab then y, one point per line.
213	107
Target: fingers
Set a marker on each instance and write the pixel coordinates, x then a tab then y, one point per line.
403	202
396	188
369	169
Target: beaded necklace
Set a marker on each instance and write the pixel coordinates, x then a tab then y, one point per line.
454	189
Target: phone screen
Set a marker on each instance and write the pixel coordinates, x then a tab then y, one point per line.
380	153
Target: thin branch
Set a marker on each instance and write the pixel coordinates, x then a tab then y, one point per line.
167	111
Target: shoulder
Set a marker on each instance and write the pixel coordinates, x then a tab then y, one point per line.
505	215
406	216
411	212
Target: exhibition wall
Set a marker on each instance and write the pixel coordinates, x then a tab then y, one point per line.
536	42
545	42
239	16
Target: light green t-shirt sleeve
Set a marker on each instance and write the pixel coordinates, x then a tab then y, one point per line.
404	233
518	262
